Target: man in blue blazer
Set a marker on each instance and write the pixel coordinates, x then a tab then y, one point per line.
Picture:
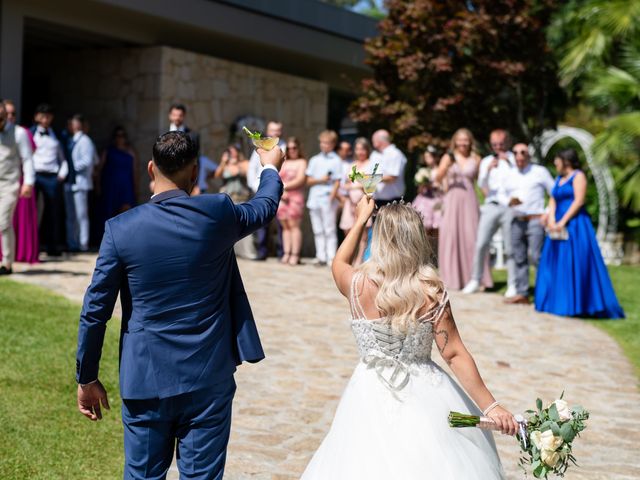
186	319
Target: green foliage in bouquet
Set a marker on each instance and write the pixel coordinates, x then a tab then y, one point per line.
551	432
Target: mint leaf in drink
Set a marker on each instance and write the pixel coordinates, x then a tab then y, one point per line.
355	175
253	136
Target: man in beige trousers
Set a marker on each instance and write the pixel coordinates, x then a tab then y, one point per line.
15	160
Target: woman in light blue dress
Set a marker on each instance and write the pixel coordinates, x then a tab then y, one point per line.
572	277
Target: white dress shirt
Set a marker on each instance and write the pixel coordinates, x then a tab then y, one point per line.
392	162
255	167
83	156
320	166
48	157
529	185
496	180
15	155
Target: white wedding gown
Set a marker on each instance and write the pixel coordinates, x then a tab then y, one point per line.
391	422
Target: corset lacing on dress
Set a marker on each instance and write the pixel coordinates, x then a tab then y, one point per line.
396	356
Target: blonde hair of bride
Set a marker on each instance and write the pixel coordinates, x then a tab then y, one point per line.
400	266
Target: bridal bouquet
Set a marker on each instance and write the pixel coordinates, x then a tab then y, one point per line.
546	435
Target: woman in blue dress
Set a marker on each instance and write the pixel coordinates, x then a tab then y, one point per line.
572	277
116	180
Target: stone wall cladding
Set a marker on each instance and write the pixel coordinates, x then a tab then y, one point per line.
218	91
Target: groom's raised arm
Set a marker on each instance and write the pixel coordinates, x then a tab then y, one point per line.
97	309
262	208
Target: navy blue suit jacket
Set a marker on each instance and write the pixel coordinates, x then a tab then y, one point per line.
186	319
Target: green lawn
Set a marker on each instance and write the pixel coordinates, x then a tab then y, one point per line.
43	436
627	332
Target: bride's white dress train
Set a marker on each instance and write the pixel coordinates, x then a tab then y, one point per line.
391	422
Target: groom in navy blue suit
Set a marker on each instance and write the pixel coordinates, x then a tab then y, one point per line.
186	319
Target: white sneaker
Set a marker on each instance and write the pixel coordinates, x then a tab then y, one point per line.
472	287
511	292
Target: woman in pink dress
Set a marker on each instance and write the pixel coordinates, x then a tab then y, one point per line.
458	171
362	150
291	206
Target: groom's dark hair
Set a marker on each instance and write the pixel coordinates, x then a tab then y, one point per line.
173	151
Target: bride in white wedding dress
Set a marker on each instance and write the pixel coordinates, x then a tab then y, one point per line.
391	422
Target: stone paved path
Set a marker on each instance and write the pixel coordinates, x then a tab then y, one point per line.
285	404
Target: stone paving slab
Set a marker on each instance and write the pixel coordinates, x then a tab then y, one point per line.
285	404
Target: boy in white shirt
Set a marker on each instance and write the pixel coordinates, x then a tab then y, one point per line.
323	177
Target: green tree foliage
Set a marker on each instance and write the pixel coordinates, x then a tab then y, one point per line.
438	66
599	57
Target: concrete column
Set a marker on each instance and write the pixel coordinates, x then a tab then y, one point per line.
11	51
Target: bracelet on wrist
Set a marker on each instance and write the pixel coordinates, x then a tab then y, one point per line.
489	408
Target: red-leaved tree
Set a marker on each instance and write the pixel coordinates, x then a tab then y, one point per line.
439	65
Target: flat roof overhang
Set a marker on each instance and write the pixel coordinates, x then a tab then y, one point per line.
300	37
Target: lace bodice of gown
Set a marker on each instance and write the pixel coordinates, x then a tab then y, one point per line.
393	354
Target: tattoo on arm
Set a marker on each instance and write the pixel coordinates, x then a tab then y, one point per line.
445	336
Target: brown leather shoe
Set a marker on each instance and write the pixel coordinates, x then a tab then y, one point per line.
518	300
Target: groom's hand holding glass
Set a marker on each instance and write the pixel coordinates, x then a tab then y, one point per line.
273	157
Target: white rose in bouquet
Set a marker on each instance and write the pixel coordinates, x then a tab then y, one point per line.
550	441
549	457
563	409
535	439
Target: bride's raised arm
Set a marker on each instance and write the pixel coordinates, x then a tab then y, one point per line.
341	267
454	352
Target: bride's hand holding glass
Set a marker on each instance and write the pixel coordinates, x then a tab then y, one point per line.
365	208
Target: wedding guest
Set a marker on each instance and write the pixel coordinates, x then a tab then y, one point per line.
354	192
15	161
206	171
291	208
232	171
495	213
117	175
392	163
428	201
51	169
572	278
345	152
25	217
528	184
177	117
323	177
80	180
274	129
458	169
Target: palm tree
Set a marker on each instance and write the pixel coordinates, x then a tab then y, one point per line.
600	63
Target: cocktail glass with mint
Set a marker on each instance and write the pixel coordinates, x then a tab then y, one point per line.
369	181
266	143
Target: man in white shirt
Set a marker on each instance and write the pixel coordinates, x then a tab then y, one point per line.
51	170
495	212
274	129
15	159
391	163
83	155
528	185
